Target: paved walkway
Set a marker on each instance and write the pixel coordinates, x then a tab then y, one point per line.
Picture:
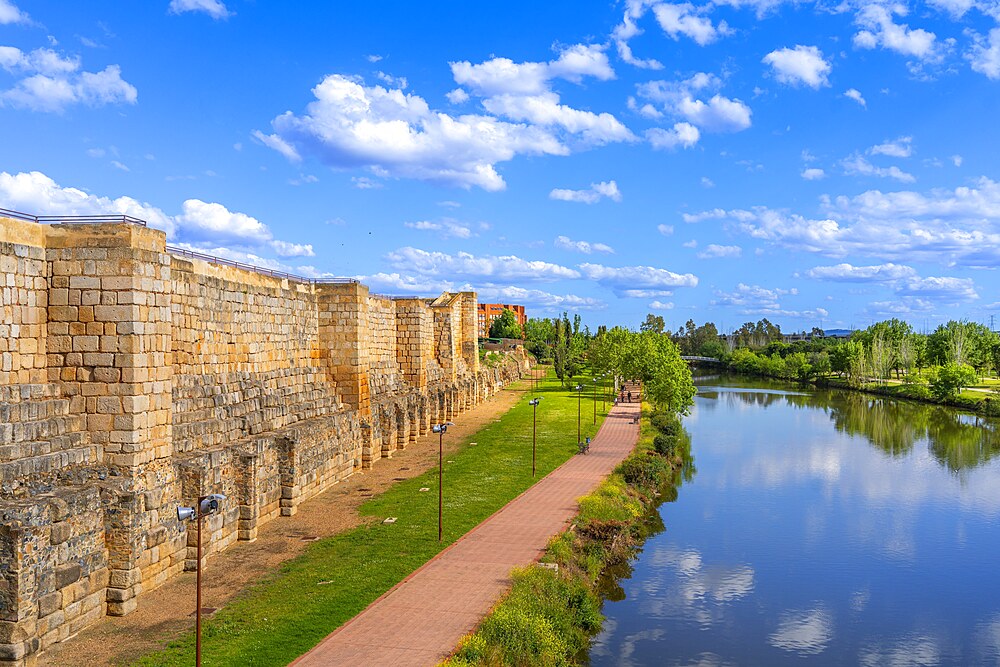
420	621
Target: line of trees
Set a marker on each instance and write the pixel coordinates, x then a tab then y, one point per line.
647	356
953	356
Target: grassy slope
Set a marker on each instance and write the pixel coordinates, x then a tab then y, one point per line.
286	615
549	616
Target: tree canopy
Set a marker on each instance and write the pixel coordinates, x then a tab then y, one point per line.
650	357
505	325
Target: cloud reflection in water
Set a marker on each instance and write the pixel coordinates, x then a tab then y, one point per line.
805	632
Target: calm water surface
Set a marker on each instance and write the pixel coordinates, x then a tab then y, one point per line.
821	528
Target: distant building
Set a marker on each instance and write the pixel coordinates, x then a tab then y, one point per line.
490	311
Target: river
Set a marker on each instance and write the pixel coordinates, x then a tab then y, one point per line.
821	528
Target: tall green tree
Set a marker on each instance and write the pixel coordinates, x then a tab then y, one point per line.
654	323
505	325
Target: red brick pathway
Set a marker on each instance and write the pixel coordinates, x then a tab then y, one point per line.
421	620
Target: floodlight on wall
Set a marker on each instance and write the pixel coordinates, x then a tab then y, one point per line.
207	505
441	429
534	429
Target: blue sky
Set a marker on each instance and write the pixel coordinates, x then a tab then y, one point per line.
818	164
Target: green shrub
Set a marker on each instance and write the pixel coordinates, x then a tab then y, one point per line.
544	620
950	379
665	445
645	472
609	502
918	391
666	423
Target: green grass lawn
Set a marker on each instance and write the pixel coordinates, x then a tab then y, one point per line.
284	616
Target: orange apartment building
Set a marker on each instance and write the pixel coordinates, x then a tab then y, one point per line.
490	311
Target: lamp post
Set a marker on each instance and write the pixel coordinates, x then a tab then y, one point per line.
534	429
578	388
207	505
440	429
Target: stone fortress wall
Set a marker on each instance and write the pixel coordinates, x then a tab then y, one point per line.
133	380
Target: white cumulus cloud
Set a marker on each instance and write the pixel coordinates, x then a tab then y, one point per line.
466	266
951	227
714	251
855	94
592	195
396	134
9	13
857	164
446	228
879	30
813	174
719	114
801	65
941	287
901	147
586	247
984	54
621	279
682	99
629	28
684	135
849	273
200	225
685	19
51	82
214	8
350	125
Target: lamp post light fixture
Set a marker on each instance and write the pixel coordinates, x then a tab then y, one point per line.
578	388
534	429
207	505
440	429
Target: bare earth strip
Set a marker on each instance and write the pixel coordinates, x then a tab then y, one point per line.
163	614
420	621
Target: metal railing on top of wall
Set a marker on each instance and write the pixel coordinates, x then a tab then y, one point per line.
212	259
71	219
174	250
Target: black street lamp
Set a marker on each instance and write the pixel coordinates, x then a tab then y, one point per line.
534	429
440	429
207	505
578	388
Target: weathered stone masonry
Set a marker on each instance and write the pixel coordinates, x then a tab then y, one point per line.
133	380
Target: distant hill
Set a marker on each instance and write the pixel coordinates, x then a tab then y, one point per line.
838	333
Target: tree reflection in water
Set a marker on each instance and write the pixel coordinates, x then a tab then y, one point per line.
957	440
608	584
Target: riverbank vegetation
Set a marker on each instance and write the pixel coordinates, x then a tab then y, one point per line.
553	608
957	364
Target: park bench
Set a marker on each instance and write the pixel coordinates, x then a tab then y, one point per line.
583	447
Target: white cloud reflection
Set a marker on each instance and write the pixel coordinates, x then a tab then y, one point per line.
910	651
805	632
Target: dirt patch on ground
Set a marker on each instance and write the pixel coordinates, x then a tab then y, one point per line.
167	612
